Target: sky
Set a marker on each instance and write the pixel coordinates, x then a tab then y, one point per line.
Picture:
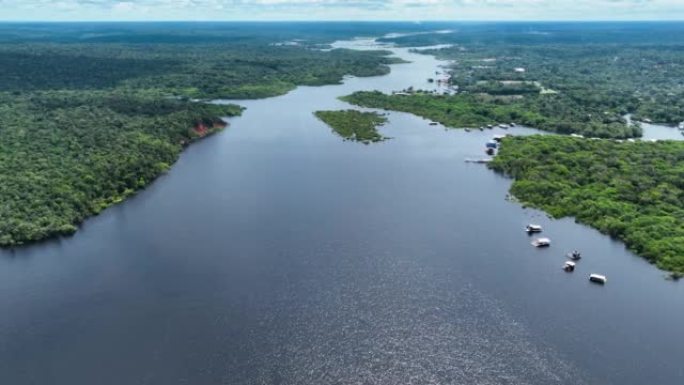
409	10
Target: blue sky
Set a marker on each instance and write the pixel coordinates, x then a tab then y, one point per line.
341	10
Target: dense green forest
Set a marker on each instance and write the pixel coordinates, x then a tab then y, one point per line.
632	191
354	125
91	113
607	68
65	155
216	70
548	112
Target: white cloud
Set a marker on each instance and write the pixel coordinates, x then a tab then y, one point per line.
342	9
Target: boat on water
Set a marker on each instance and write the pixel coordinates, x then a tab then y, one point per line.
504	126
492	144
541	242
533	228
569	266
575	255
498	138
467	130
490	151
598	278
433	123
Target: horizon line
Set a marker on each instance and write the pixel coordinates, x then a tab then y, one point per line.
353	21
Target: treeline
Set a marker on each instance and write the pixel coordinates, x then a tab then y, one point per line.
354	125
619	68
548	112
65	155
220	70
632	191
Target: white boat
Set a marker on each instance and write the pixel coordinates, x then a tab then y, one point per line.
598	278
541	242
533	228
569	266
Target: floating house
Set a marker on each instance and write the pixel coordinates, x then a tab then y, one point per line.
598	278
541	242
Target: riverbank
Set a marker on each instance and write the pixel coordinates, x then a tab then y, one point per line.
543	111
630	191
69	155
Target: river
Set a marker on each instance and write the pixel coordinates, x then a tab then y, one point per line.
276	253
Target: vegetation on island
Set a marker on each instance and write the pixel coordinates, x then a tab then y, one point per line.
633	191
354	125
544	111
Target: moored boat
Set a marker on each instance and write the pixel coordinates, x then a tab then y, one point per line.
533	228
598	278
541	242
569	266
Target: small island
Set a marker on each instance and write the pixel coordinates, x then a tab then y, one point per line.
354	125
633	191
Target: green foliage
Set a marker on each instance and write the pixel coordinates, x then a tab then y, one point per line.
544	111
612	68
65	155
354	125
218	70
91	113
631	191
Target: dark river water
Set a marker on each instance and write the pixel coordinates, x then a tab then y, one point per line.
276	253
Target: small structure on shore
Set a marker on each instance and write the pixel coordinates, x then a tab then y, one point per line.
541	242
598	278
